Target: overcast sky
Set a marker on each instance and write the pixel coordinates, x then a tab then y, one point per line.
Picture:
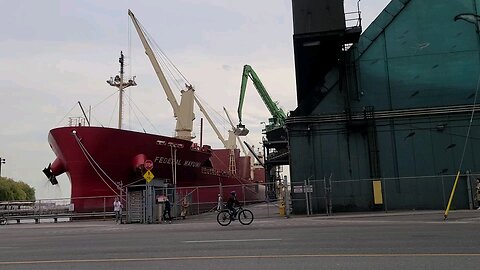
55	53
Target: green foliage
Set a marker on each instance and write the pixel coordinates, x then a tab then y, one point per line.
11	190
29	191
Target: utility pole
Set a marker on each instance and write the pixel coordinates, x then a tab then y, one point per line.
173	150
2	161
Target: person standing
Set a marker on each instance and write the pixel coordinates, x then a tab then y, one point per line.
166	211
117	208
185	206
220	203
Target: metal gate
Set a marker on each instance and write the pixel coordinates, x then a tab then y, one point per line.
135	208
142	204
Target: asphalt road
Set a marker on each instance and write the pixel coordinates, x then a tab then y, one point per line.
416	240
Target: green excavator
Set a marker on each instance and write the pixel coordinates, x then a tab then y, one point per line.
278	115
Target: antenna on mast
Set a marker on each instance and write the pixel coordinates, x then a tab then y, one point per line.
121	85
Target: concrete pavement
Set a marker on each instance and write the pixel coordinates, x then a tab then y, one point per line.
395	240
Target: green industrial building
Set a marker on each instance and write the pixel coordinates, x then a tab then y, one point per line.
386	117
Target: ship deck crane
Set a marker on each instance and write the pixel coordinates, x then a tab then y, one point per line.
183	112
278	115
228	144
233	128
241	143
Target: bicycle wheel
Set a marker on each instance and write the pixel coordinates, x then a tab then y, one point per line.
223	218
245	217
3	221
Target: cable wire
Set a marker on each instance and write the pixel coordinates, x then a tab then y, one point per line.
93	162
65	116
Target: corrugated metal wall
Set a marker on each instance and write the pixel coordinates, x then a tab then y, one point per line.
417	70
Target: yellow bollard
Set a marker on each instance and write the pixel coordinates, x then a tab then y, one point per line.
281	209
445	216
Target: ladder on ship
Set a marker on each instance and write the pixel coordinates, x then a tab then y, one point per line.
232	166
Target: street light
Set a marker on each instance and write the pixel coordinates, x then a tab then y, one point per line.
2	161
173	152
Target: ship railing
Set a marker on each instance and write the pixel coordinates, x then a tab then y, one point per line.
77	121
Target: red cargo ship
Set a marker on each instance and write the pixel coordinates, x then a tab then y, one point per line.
102	161
99	160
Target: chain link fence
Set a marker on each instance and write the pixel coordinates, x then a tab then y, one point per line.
311	196
263	199
328	195
205	199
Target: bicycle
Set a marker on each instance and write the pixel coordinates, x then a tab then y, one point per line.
225	217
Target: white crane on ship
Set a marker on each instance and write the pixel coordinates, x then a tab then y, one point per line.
233	129
227	143
183	112
245	152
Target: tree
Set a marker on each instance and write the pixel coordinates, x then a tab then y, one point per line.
29	191
10	190
5	190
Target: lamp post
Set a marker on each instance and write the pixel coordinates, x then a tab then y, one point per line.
173	152
2	161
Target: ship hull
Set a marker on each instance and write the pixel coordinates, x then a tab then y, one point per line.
98	161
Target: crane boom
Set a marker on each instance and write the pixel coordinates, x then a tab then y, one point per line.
278	116
230	142
156	66
183	112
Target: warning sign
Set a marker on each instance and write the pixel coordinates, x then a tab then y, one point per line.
148	176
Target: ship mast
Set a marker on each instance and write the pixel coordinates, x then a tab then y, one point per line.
121	85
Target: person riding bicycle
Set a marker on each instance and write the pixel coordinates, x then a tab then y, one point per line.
231	203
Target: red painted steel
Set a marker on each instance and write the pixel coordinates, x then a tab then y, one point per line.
113	156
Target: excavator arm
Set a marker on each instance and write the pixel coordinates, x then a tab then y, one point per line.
278	116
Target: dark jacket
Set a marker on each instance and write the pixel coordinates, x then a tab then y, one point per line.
167	205
232	201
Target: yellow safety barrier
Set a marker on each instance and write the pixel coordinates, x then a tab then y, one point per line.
377	192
